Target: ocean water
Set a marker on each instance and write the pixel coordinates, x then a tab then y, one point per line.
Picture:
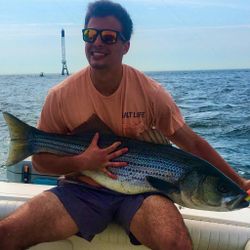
216	104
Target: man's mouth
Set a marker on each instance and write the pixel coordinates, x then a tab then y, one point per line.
98	54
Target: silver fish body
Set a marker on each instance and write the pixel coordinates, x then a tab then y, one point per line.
182	177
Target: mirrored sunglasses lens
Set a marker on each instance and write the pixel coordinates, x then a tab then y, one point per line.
89	35
108	36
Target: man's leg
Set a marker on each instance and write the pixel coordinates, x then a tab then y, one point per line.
43	218
158	225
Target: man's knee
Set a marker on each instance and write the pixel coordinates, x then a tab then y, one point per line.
159	225
178	240
6	239
25	227
173	233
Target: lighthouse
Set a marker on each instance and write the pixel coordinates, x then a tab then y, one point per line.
64	65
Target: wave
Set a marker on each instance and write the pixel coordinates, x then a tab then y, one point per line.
240	131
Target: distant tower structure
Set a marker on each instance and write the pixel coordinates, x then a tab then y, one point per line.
64	65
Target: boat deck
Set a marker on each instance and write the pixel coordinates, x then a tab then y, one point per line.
209	230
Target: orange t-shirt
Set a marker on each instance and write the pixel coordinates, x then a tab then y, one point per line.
138	104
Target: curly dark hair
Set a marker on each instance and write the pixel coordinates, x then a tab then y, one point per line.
104	8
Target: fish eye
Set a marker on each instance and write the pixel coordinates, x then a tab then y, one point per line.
222	188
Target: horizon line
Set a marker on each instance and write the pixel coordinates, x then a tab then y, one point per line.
145	71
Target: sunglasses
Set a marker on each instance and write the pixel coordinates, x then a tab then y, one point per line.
89	35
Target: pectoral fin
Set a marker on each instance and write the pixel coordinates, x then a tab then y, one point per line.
161	185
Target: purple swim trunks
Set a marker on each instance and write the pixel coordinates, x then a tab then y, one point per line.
93	208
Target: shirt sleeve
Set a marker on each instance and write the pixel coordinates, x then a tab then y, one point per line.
168	116
51	118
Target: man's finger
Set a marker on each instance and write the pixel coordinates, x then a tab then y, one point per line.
117	164
117	153
109	174
112	147
95	139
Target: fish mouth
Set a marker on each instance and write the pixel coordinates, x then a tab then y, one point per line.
240	201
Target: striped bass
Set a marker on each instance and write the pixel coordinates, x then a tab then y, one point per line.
184	178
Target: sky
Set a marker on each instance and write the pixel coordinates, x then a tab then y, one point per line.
168	35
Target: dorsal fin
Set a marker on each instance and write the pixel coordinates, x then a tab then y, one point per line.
92	125
95	124
154	136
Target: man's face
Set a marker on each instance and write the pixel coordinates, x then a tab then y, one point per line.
101	55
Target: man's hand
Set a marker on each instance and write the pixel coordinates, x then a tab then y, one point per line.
245	184
96	158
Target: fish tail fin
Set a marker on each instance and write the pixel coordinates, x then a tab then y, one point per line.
19	147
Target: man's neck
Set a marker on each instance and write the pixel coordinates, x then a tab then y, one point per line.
106	81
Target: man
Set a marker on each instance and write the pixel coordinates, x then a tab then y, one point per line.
130	104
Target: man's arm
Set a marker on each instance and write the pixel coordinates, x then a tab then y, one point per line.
188	140
93	158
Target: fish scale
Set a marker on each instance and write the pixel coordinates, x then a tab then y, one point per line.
152	164
183	177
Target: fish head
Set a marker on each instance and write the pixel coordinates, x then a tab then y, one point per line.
214	192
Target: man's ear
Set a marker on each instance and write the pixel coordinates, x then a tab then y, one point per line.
126	47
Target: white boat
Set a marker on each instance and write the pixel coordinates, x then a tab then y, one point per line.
209	230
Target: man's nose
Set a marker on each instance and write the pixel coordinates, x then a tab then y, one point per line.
98	40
